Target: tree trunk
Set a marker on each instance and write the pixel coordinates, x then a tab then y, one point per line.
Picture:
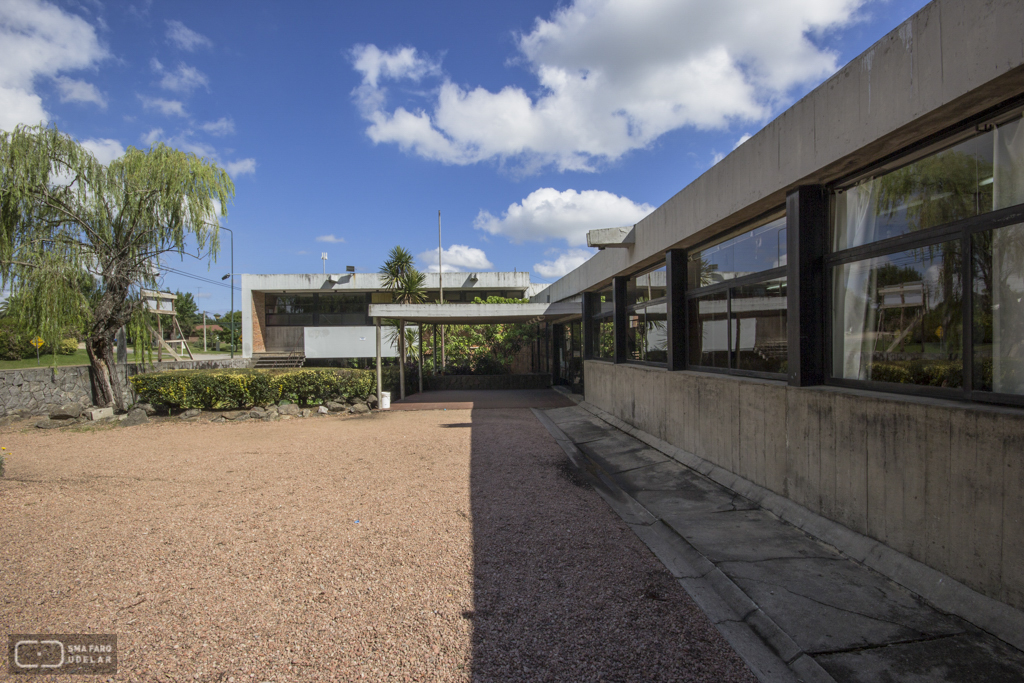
105	388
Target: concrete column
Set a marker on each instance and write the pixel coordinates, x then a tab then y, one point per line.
420	348
401	359
376	321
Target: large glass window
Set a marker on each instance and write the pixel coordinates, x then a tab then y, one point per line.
290	309
602	327
999	310
646	315
898	317
904	242
736	302
343	308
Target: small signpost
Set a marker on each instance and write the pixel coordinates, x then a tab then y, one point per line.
37	342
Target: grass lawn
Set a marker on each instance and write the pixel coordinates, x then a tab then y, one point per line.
79	357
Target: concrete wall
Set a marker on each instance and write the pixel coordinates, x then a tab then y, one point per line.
940	481
953	59
37	391
346	342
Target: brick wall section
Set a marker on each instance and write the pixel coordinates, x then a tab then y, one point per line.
259	315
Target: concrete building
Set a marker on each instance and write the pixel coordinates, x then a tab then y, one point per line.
326	316
834	311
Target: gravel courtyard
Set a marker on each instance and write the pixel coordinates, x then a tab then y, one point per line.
434	545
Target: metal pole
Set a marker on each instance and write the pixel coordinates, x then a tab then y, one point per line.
377	322
440	283
232	293
401	359
420	327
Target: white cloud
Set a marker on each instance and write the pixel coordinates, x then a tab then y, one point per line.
240	167
743	138
330	239
152	136
566	262
184	79
549	214
613	76
185	38
72	90
165	107
456	259
104	149
220	127
39	40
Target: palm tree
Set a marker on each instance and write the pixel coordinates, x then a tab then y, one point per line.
405	283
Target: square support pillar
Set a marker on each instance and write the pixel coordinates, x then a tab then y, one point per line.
619	317
806	245
675	291
587	324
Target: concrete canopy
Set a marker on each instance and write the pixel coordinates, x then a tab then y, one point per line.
476	314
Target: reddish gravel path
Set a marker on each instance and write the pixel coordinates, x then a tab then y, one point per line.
428	545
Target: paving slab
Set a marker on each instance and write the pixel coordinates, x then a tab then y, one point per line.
793	606
618	453
664	475
965	658
833	604
748	535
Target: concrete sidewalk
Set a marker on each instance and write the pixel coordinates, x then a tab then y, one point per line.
794	607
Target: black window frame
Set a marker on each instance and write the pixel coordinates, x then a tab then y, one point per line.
750	279
315	313
962	230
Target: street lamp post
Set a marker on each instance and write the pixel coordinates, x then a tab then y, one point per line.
232	276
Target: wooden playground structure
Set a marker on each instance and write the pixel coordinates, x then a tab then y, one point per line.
162	303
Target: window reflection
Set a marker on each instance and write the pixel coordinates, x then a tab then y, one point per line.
898	318
974	177
646	315
758	328
999	310
762	248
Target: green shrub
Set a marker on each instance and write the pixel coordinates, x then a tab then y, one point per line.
890	372
68	346
229	389
14	343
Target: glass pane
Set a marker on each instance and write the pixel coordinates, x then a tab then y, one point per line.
974	177
897	318
758	329
762	248
999	310
646	333
709	340
605	302
646	287
605	339
343	308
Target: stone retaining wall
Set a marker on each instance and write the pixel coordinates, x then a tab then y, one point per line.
37	391
477	382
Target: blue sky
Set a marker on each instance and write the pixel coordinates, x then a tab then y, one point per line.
347	126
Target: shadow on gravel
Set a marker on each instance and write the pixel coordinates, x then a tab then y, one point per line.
563	589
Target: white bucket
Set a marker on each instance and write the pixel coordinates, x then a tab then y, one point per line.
385	400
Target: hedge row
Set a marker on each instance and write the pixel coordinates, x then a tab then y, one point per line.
933	373
232	389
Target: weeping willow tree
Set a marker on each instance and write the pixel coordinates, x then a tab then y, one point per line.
63	213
